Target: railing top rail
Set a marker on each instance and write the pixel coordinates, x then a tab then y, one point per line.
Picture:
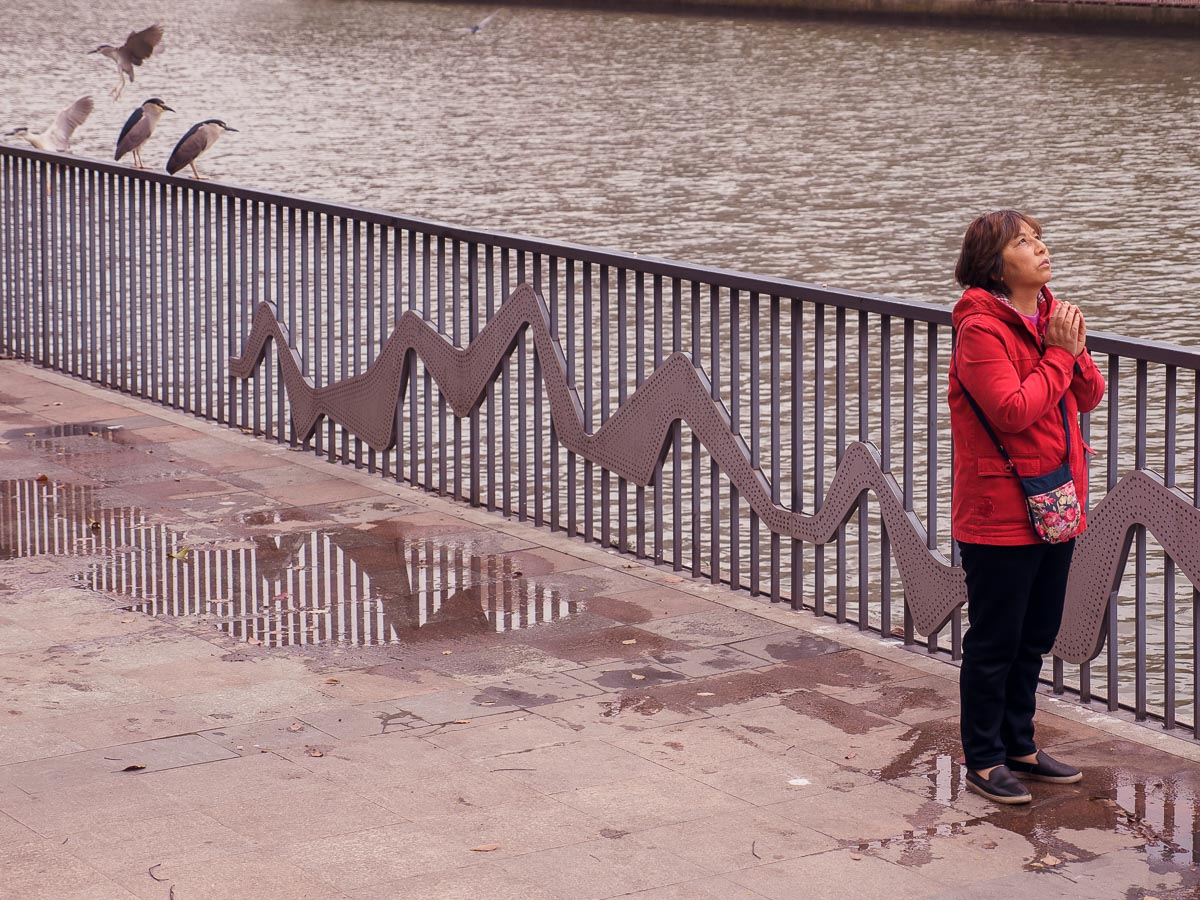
1152	351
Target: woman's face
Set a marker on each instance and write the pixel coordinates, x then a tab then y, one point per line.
1026	260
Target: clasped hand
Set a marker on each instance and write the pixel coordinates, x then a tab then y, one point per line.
1066	328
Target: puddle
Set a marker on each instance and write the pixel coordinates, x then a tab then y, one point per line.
74	439
334	585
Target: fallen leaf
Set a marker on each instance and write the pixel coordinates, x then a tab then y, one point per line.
332	681
855	856
126	621
630	641
1051	860
181	553
673	580
247	431
282	596
136	767
851	755
461	722
3	443
295	726
447	652
31	434
253	640
636	677
487	702
42	479
990	845
706	694
313	751
485	848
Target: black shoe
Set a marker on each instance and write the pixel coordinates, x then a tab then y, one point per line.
1047	768
999	786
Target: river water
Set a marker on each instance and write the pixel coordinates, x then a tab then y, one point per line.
839	152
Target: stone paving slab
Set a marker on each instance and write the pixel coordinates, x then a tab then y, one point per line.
547	719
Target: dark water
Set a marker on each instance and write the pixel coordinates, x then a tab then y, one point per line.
838	152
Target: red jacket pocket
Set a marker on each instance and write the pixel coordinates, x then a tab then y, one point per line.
988	466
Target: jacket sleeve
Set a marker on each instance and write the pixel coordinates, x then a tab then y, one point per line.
986	370
1087	384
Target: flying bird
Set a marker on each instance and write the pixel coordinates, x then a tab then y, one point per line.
58	136
198	139
138	128
479	26
136	50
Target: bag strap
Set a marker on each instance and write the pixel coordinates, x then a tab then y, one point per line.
1062	405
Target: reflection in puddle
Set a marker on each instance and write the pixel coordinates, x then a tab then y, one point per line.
318	587
1158	811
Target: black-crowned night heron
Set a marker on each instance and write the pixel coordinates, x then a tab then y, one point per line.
479	26
135	51
198	139
58	136
138	128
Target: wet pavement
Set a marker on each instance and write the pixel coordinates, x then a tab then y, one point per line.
234	670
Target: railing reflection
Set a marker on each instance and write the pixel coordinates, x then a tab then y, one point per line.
318	587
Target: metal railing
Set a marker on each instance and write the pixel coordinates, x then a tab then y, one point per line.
148	284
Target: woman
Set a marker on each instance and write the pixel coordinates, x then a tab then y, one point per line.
1019	352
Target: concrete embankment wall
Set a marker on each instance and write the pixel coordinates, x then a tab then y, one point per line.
1134	17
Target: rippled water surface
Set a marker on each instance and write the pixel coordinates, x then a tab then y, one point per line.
839	152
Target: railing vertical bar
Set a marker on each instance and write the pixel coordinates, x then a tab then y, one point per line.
113	291
255	228
797	439
677	436
246	309
367	351
473	313
208	376
932	401
59	261
1171	413
539	486
755	436
622	395
1114	449
776	446
506	432
442	303
43	256
1085	670
639	295
569	328
714	473
522	403
863	435
332	326
735	391
588	416
885	453
658	472
426	377
456	317
414	453
555	487
489	280
840	450
820	449
605	404
1139	584
695	480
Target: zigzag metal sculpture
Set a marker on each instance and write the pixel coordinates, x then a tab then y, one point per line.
637	437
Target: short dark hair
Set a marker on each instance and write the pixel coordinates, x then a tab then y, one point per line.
981	259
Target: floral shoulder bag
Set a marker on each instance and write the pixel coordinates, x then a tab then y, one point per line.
1050	499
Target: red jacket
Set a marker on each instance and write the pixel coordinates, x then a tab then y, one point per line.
1017	382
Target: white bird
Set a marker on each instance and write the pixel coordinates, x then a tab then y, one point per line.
198	139
478	27
137	48
138	128
58	136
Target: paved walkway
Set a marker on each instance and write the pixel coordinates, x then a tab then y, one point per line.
354	689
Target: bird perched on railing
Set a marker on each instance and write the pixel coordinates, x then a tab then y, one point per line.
58	136
198	139
136	50
138	128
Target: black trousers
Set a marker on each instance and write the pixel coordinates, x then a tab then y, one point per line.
1014	606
